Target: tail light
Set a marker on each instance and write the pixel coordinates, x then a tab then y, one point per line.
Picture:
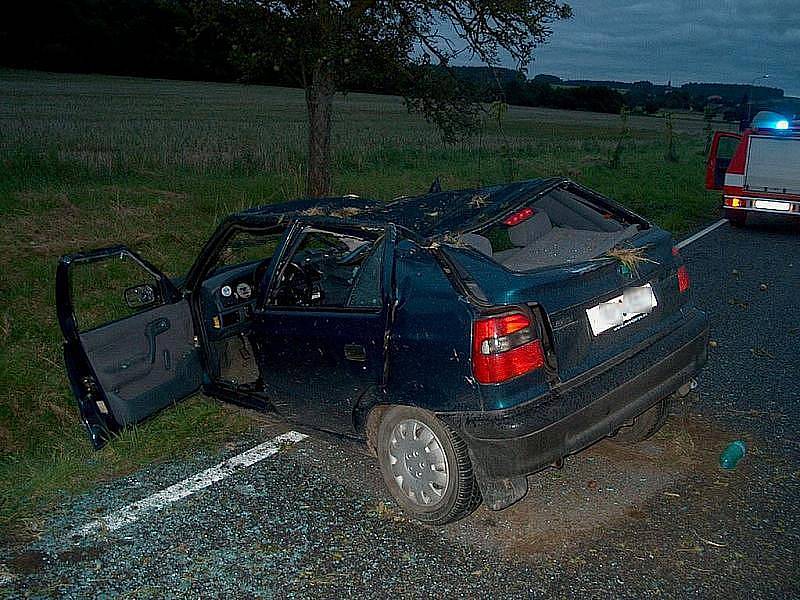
504	347
734	202
684	281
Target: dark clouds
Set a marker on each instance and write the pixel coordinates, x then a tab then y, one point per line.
730	41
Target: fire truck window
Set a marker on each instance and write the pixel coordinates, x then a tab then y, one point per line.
727	146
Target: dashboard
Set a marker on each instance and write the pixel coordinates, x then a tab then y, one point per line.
236	292
228	300
237	295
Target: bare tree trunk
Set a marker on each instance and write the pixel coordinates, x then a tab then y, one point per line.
319	101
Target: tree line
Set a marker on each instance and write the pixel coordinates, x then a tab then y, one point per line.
161	38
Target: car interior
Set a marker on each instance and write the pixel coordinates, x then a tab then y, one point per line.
559	227
326	269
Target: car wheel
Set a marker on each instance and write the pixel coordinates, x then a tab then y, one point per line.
737	218
645	425
426	466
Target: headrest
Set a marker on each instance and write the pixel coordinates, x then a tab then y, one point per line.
530	230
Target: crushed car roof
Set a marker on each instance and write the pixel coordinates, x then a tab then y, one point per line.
428	215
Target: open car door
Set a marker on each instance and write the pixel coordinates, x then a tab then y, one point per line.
723	147
130	347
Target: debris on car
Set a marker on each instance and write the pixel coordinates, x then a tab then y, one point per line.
469	338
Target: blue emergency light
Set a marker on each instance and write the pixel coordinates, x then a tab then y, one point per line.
766	119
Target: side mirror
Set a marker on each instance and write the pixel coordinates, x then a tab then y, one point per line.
141	296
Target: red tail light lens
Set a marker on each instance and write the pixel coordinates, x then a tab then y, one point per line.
519	216
684	281
505	347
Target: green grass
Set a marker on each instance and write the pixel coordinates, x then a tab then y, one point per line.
87	161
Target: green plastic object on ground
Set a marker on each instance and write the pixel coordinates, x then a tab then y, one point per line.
731	456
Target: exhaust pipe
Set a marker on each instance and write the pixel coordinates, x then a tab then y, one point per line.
687	387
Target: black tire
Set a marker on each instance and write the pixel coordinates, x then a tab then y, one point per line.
455	500
645	425
737	218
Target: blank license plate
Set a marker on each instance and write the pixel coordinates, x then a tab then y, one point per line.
771	205
632	305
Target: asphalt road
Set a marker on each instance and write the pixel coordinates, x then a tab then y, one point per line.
659	519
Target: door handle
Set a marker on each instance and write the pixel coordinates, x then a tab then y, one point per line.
355	352
154	329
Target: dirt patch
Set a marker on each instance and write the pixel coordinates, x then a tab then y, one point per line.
42	201
607	486
46	233
78	555
65	226
28	562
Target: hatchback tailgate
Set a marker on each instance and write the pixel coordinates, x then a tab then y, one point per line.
566	293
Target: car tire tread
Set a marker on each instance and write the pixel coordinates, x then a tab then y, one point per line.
645	425
464	497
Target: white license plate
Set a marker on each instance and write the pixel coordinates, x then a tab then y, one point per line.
634	304
771	205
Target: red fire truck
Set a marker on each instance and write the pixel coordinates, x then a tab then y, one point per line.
757	170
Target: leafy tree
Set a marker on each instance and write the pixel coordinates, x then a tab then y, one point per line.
327	45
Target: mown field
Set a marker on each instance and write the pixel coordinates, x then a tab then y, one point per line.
87	161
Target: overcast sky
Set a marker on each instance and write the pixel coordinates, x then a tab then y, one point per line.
728	41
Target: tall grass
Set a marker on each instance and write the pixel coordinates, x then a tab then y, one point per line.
87	161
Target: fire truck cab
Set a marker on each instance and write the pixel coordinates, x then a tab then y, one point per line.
757	170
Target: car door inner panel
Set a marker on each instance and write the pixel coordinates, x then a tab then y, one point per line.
145	362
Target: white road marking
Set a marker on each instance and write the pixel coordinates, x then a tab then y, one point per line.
135	511
700	234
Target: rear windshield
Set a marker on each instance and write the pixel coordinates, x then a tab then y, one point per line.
559	227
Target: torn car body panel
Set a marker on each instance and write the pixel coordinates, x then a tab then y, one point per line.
472	306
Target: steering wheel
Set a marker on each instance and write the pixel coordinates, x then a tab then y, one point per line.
295	287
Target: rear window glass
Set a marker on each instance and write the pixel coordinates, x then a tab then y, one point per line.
562	209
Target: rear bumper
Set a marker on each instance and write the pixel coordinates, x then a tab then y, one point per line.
784	213
750	205
507	445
